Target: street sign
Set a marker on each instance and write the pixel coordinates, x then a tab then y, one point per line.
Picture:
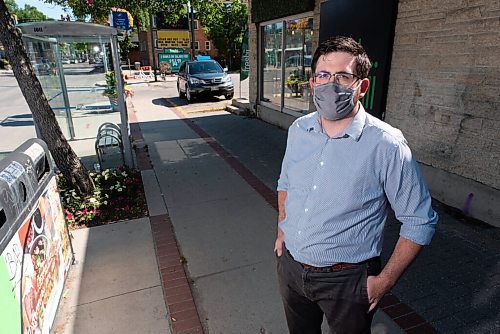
174	59
173	50
120	20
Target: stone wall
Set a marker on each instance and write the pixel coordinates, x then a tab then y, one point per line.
444	88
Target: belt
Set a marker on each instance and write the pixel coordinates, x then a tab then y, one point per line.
373	265
338	266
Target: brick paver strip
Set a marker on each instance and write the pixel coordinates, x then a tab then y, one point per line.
141	153
178	296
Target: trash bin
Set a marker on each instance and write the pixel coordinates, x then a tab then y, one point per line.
35	248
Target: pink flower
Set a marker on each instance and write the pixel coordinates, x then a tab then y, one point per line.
69	215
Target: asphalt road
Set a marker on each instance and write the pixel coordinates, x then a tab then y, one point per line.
16	122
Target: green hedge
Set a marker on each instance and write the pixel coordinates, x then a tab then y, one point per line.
265	10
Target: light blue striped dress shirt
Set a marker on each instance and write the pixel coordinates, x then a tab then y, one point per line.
338	191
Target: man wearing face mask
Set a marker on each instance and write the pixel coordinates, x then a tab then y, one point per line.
341	170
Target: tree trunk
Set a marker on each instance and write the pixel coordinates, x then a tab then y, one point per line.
64	156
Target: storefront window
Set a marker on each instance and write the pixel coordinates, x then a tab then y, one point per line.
298	57
284	80
272	35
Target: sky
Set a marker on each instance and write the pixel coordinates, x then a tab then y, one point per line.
49	10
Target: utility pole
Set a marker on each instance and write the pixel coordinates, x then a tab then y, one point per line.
191	19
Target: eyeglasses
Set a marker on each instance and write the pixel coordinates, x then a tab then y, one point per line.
341	78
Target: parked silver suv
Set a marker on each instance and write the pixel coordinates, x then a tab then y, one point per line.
207	77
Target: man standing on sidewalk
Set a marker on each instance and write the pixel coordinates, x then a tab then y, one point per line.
341	170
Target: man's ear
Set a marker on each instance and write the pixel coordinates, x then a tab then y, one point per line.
365	83
311	84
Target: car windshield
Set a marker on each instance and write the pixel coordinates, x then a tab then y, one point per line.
204	67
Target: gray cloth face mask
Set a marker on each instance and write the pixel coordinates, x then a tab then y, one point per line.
333	101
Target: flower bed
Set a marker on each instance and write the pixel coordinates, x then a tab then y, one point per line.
118	195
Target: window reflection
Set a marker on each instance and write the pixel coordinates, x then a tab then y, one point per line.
271	84
291	91
298	58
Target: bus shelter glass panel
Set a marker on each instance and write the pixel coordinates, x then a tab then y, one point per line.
85	66
298	59
43	56
271	66
73	78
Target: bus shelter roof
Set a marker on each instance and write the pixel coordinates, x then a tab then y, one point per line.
68	31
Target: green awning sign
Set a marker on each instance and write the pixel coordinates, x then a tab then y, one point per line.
245	57
174	59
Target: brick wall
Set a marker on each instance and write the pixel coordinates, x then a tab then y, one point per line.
145	55
200	36
444	89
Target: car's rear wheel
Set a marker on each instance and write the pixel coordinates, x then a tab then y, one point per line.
181	94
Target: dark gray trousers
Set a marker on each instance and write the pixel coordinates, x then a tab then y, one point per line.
340	295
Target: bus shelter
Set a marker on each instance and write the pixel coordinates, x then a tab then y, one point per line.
78	66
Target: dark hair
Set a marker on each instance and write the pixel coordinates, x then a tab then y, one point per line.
348	45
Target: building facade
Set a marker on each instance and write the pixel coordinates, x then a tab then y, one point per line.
438	81
144	52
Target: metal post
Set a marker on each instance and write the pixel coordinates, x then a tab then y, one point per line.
64	89
31	52
121	103
191	19
283	50
153	47
104	57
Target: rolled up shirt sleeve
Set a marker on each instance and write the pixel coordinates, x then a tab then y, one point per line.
409	197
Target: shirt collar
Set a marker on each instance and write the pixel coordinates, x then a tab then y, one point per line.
311	122
355	128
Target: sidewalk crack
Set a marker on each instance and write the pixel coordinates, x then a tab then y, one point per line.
228	270
119	295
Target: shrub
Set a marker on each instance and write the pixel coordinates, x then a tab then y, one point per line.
111	90
118	195
4	63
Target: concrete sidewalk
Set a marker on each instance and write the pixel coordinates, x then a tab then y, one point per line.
114	286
